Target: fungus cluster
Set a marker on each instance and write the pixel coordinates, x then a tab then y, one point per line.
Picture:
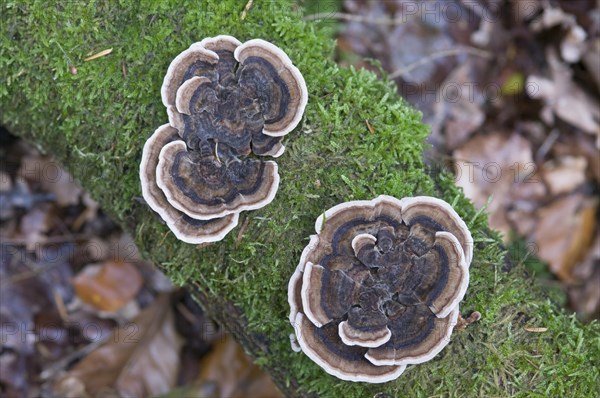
229	104
378	287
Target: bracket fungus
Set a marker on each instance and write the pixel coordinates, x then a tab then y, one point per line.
378	287
228	104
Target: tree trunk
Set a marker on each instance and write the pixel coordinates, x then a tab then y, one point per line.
95	122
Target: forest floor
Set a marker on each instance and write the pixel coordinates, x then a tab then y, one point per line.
513	106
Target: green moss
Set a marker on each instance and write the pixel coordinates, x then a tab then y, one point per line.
96	122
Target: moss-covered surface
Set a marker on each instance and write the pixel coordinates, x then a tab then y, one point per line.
96	122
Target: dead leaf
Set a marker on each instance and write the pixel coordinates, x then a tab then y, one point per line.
459	112
521	219
584	294
500	166
564	174
5	182
227	372
138	359
118	248
18	196
51	178
551	17
72	387
580	144
573	44
27	288
567	100
90	212
591	59
564	232
584	270
418	51
34	225
524	10
108	287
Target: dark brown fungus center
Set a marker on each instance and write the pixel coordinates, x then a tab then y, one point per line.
225	101
390	284
236	98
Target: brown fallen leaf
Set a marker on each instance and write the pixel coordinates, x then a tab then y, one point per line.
29	284
110	286
584	294
585	269
90	212
564	174
34	225
524	10
51	178
564	232
120	247
551	17
500	166
591	59
139	359
580	144
227	372
5	182
573	45
459	112
565	98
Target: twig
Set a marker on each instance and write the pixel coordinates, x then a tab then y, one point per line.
60	306
187	314
72	67
440	54
536	330
547	144
64	52
357	18
369	127
51	240
243	228
246	9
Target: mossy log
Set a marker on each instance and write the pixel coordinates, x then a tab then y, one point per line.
96	121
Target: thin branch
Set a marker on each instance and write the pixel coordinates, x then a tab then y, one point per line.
50	240
547	144
357	18
440	54
246	9
240	234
